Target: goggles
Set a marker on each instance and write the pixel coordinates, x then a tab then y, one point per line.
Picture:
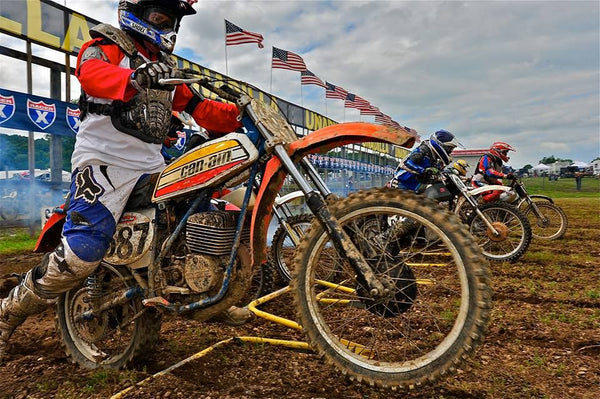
160	18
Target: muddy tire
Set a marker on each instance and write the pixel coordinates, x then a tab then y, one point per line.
439	300
282	246
115	338
263	283
553	223
512	225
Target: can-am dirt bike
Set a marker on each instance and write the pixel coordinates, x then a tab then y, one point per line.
548	220
502	231
398	319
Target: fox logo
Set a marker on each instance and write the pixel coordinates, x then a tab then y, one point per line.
87	188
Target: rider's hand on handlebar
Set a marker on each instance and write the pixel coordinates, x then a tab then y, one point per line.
510	176
432	171
147	76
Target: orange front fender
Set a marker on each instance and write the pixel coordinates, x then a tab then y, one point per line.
321	140
333	136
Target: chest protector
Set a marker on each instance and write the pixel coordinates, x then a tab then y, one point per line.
480	174
147	116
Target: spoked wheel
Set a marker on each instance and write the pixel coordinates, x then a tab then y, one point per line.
283	245
549	222
115	337
512	234
438	301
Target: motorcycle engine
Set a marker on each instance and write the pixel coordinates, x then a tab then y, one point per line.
208	241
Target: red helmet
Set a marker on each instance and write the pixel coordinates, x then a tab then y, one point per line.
500	149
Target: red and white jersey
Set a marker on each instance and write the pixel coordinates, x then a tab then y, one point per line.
100	143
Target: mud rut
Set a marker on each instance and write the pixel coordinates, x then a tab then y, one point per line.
543	341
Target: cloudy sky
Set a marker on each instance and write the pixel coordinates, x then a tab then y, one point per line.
522	72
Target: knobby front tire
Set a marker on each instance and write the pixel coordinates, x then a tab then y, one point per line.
553	223
283	247
439	302
512	225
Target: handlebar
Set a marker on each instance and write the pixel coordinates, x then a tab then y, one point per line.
225	92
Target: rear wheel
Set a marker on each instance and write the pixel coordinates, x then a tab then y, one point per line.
438	301
549	222
115	337
513	231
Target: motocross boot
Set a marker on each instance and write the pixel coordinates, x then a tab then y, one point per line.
22	301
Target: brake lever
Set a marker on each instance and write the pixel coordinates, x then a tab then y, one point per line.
180	81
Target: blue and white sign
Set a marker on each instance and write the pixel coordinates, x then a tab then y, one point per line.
41	114
73	120
31	113
7	108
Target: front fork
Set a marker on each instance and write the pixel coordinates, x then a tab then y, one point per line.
539	216
315	200
475	206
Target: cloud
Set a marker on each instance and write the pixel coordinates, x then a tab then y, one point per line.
521	72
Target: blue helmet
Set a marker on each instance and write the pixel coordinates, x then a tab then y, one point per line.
442	143
156	21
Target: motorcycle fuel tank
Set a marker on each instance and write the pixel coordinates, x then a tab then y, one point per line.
209	164
438	192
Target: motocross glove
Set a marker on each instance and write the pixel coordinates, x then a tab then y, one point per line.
510	176
430	172
147	76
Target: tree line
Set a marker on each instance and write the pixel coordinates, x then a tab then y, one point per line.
14	152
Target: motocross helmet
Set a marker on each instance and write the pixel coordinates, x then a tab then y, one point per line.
155	21
500	150
460	167
442	143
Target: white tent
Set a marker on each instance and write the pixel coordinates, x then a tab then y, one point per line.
541	167
580	165
540	170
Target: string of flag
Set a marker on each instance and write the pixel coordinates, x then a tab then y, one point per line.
285	59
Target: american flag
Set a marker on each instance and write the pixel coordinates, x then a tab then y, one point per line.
309	78
386	120
372	110
333	91
284	59
235	35
354	101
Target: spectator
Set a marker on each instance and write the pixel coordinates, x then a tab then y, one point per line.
578	177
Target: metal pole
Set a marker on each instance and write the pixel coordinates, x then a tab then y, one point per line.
55	147
226	67
31	151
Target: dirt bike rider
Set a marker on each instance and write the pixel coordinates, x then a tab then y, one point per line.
118	143
424	162
489	170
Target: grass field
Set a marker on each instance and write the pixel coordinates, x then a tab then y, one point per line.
563	188
16	240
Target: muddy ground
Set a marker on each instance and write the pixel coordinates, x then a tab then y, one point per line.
543	342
